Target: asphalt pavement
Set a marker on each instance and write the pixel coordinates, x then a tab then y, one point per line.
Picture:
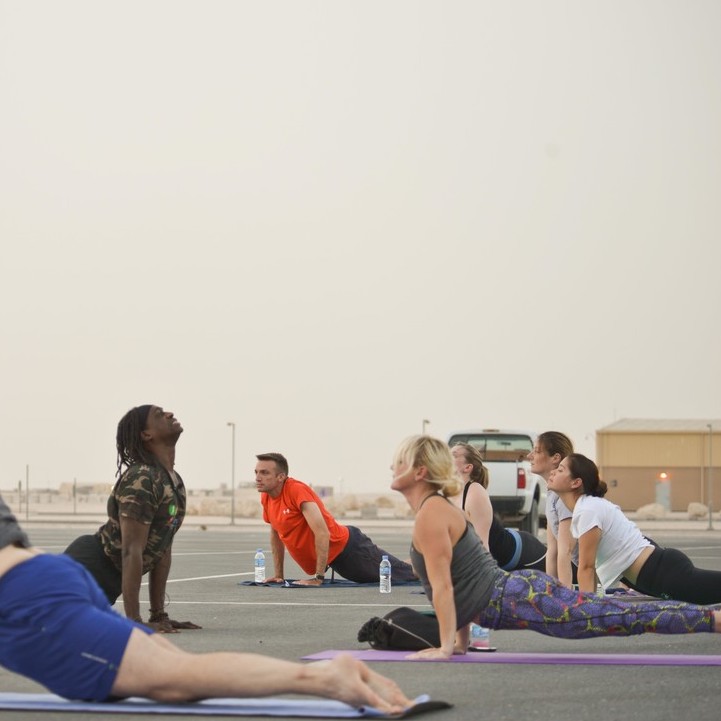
210	561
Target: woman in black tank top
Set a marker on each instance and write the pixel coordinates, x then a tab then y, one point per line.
511	548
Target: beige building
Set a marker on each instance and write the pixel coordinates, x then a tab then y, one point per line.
661	461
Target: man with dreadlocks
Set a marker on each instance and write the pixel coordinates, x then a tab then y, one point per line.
145	510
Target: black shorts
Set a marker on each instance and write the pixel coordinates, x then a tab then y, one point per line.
360	559
88	551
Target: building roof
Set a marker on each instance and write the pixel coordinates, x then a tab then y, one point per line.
663	425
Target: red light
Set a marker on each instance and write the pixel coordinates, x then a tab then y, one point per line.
521	478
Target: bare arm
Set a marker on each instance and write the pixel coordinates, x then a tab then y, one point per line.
479	511
587	547
318	527
551	553
278	550
158	579
432	538
565	545
134	537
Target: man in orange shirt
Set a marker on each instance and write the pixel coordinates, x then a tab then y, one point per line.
301	523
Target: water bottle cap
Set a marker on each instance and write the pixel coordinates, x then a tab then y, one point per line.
385	558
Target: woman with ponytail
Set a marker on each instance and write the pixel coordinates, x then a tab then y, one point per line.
511	548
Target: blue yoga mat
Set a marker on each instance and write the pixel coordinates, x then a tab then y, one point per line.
328	583
307	708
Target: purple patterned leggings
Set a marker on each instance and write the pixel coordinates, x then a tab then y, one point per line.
531	599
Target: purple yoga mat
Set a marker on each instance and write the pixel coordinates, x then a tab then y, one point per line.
563	659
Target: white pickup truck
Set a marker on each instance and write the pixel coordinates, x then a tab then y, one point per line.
517	494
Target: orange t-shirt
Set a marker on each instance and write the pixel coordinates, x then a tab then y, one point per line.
286	518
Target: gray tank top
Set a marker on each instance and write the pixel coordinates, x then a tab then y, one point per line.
10	532
473	574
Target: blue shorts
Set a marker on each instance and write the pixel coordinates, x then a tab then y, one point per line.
57	628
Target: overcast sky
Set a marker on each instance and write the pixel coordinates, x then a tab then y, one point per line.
326	222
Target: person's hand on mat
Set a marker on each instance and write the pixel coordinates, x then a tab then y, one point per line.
429	654
184	625
308	582
275	579
162	625
350	680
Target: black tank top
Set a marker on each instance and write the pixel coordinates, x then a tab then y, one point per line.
501	542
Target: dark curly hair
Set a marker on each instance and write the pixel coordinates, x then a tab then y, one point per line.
129	440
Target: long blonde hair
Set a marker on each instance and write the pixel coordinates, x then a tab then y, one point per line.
435	455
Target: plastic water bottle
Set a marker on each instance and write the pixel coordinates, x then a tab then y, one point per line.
259	566
385	575
480	636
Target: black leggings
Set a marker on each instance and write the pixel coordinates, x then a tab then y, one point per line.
669	573
533	552
88	551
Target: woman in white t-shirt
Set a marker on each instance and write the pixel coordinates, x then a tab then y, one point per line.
550	448
613	548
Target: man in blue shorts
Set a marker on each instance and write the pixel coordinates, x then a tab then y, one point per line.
58	629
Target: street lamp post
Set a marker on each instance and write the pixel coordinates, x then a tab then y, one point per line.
232	474
426	423
710	479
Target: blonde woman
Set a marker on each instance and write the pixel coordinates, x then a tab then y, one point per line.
465	584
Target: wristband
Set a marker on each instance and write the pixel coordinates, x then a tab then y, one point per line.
320	576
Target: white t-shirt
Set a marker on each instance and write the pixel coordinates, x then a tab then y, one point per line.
621	541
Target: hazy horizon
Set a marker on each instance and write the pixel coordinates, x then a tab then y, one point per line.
328	222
